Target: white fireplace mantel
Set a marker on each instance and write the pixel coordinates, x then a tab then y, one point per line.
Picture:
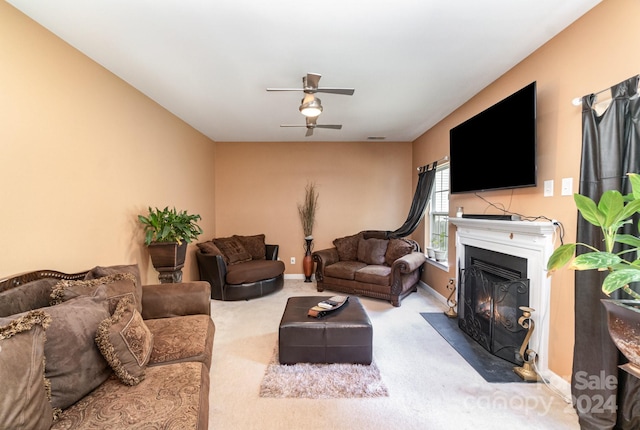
533	241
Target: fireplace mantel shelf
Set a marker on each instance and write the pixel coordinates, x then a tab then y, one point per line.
528	227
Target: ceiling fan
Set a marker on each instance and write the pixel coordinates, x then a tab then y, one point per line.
311	105
311	124
310	86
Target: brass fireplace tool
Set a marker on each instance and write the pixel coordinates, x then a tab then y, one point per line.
451	300
527	372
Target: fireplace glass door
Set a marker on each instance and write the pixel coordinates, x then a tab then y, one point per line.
492	290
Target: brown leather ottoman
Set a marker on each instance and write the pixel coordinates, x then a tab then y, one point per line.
342	336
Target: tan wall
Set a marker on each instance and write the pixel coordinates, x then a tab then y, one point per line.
361	186
594	53
82	154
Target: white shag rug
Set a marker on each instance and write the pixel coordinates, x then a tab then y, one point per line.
321	381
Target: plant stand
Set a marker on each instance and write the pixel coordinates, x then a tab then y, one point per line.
623	321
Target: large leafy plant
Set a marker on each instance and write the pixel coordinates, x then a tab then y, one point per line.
611	213
169	225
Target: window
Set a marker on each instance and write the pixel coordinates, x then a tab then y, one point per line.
438	228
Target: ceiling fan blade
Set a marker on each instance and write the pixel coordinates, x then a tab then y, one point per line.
309	132
333	126
283	89
292	125
344	91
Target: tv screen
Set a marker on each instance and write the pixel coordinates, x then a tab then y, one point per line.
496	149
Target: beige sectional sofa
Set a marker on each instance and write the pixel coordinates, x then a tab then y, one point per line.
96	350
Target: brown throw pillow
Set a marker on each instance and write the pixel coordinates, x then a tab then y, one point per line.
24	403
397	248
74	364
125	342
115	286
372	251
23	298
102	271
233	249
347	247
254	245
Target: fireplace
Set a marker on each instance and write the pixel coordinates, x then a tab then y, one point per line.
530	244
493	287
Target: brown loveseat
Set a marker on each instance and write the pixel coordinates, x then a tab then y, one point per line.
98	350
368	265
240	267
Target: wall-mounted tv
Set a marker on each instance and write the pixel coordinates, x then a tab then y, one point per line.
496	149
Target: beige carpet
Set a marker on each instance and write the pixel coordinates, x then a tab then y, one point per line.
430	386
321	381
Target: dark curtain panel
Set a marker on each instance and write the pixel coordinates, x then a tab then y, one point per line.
604	396
419	203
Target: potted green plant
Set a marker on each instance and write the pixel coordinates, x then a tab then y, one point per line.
611	213
166	233
307	212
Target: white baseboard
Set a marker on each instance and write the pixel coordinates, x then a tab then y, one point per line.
298	276
436	295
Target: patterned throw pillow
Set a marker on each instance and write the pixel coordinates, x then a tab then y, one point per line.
347	247
397	248
233	249
254	245
25	391
116	287
125	342
372	251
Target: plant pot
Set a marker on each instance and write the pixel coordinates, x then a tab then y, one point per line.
431	253
167	255
441	255
623	320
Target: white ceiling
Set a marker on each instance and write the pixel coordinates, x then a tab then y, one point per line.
411	62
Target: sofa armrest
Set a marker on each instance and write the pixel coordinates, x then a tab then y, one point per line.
410	262
272	252
324	258
179	299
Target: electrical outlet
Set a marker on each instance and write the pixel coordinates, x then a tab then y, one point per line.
567	186
548	188
293	260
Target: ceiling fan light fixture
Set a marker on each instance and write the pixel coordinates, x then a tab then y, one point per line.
311	108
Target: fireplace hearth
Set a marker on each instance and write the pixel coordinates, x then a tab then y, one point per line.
493	287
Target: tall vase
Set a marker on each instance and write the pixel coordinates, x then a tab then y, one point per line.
307	261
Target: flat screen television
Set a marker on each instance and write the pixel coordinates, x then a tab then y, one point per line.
496	149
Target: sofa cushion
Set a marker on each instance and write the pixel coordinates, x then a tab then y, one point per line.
23	298
397	248
24	403
125	342
347	247
74	364
372	251
178	339
102	271
374	274
209	247
254	245
115	287
233	249
344	269
254	271
174	396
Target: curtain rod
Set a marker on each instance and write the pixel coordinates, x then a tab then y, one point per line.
578	100
426	166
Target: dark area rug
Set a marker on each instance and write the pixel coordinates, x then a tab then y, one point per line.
493	369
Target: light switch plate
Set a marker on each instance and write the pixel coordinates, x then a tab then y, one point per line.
548	188
567	186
